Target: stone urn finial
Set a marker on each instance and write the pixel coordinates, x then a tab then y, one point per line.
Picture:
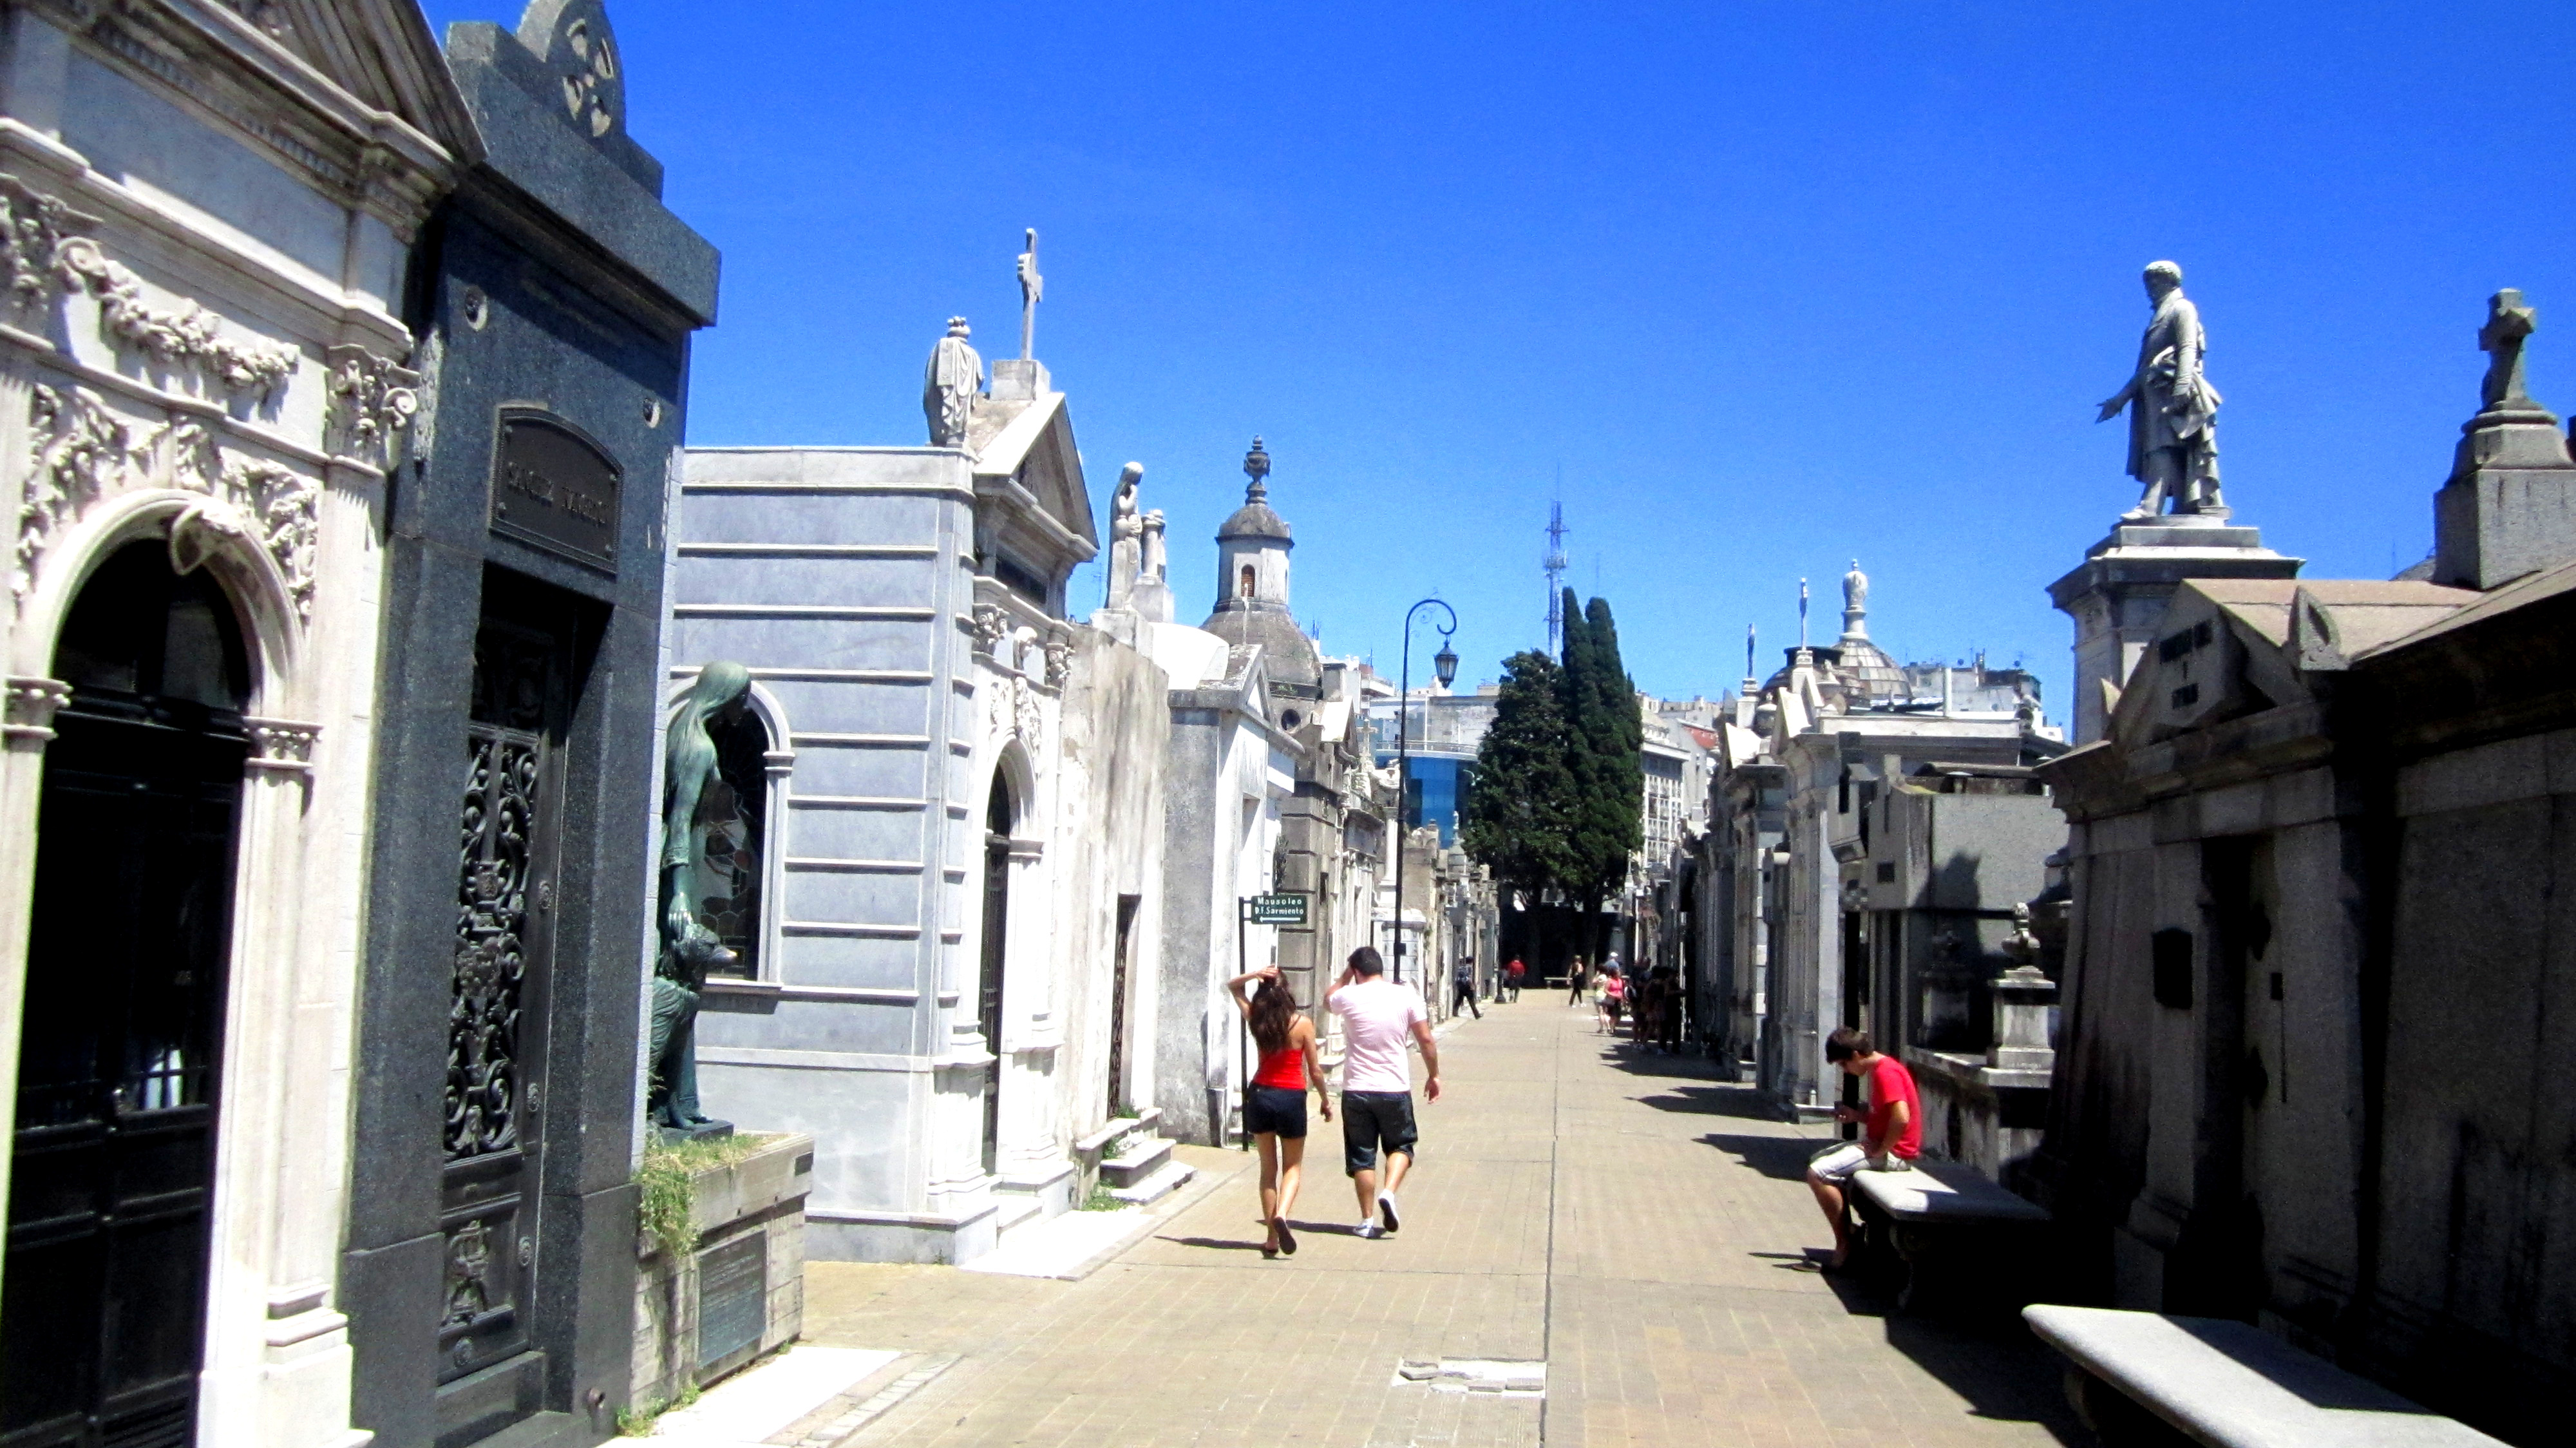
1256	466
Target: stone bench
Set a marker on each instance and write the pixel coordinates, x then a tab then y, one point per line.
1956	1235
2141	1378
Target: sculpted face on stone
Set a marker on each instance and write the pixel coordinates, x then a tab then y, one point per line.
2173	411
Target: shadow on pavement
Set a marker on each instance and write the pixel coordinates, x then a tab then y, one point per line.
1782	1158
1214	1244
2004	1373
1736	1101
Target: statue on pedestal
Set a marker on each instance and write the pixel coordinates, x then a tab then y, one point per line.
689	948
1126	537
2173	411
948	390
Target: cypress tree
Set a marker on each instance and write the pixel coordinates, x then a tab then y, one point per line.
1622	753
1519	818
1605	743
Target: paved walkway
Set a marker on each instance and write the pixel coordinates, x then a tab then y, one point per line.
1631	1221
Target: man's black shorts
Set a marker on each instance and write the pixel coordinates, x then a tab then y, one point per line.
1276	1109
1371	1120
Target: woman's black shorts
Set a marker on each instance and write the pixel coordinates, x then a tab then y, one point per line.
1275	1109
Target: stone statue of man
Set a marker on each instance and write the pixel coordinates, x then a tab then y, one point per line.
2173	411
948	390
689	948
1126	537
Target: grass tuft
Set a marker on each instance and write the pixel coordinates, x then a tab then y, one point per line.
669	1206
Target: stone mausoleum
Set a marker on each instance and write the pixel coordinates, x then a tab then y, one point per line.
209	222
2312	1049
947	900
491	1242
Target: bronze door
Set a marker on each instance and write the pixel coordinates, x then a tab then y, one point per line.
490	1369
113	1156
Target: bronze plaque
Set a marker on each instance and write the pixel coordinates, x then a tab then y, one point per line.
555	488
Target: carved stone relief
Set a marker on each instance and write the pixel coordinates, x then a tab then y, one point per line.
372	401
992	625
189	335
81	452
32	704
282	745
1059	662
1015	712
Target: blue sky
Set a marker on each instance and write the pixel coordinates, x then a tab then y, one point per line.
1769	285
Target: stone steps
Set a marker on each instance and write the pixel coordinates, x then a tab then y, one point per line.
1166	1179
1138	1158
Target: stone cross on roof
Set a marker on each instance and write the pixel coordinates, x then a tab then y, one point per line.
1032	290
2509	324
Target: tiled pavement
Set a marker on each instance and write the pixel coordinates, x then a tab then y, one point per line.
1634	1222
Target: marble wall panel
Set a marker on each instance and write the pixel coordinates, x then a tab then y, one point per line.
871	898
853	834
805	1025
851	517
769	578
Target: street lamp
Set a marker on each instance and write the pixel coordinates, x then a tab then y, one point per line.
1445	664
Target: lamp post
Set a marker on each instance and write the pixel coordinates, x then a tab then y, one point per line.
1445	664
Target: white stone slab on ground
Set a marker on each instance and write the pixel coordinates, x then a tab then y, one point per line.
749	1407
1062	1245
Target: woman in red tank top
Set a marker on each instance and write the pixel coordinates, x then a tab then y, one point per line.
1274	1101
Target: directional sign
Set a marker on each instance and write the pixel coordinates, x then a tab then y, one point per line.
1285	909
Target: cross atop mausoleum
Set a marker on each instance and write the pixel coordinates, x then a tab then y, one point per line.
1032	290
2509	324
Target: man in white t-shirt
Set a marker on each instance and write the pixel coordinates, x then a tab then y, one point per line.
1377	1083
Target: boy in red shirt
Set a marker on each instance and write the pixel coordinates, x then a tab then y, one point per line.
1891	1128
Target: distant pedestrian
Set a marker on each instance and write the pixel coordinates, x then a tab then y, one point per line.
1377	1087
1462	987
1274	1102
1575	983
1891	1133
1669	1021
1609	998
1512	976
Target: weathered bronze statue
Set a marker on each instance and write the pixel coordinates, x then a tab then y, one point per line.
689	948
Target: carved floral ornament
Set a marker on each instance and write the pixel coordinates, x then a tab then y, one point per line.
80	452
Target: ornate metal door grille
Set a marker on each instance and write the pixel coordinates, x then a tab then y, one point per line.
505	899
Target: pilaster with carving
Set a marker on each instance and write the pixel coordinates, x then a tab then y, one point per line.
372	400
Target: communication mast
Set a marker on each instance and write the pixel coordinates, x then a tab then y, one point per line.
1555	565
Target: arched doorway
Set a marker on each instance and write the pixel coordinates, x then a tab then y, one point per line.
998	818
736	808
119	1076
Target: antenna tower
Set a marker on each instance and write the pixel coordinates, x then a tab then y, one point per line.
1555	566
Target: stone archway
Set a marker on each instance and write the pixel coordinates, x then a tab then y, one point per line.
120	1071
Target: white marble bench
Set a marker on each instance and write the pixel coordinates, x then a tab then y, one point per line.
1940	1191
2226	1384
1956	1234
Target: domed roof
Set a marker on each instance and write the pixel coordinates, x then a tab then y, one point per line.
1854	668
1254	520
1292	657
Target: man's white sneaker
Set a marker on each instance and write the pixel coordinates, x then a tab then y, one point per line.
1386	1210
1368	1229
